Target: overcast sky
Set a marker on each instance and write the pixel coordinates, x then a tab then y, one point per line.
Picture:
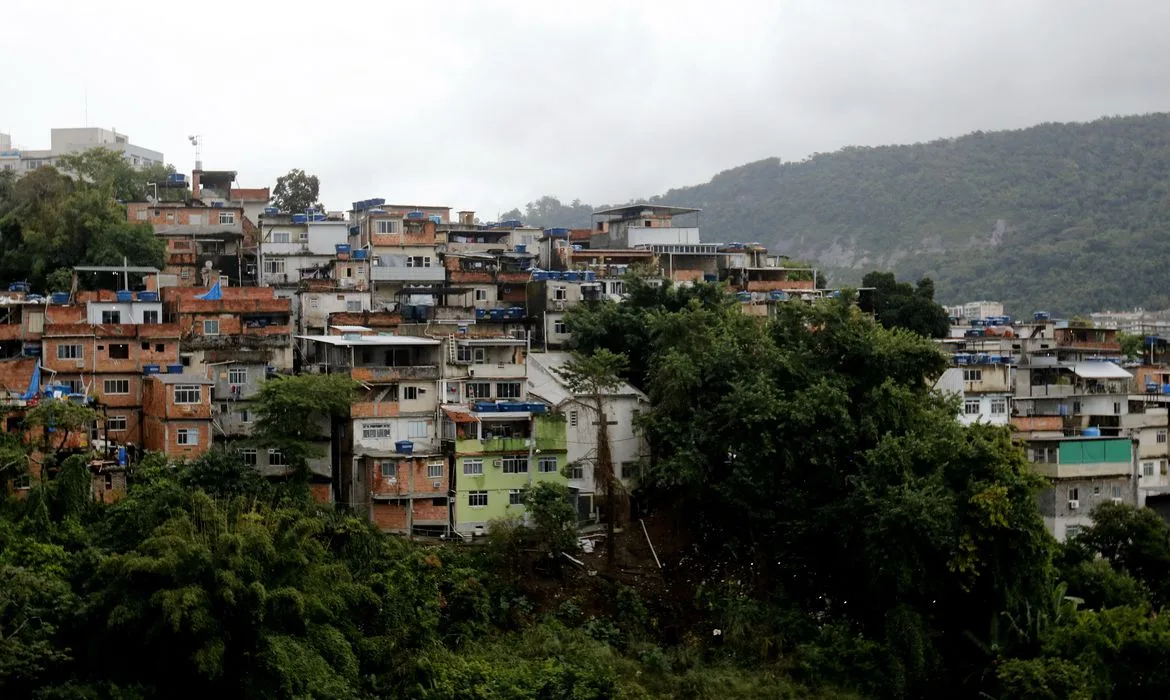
487	105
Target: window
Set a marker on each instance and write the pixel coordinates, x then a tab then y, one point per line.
116	386
572	419
276	459
514	465
186	273
560	293
274	266
245	417
1072	531
314	302
150	317
515	497
69	352
238	375
111	317
617	288
479	390
376	431
159	347
1097	490
972	375
971	407
479	355
387	469
418	261
116	424
1147	468
481	295
473	467
304	237
576	470
417	429
385	226
227	217
560	327
409	393
211	326
508	390
477	499
353	306
440	501
1116	408
188	393
119	351
435	470
22	482
1115	492
248	455
546	465
188	436
281	237
1161	433
998	407
1074	494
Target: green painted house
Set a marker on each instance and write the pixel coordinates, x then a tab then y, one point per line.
495	455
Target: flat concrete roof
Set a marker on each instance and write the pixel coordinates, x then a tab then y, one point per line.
370	340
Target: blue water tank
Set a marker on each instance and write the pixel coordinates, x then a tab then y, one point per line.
174	369
271	211
436	219
320	217
404	447
360	254
342	248
18	287
124	296
415	215
521	248
486	407
743	296
59	298
1092	432
299	219
151	369
148	296
1041	316
480	313
556	232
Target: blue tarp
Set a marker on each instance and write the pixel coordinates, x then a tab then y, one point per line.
34	384
213	294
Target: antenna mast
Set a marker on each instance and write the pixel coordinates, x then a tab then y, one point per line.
197	142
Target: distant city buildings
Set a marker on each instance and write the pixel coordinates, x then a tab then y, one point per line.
71	141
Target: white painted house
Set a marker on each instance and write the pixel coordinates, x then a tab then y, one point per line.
621	406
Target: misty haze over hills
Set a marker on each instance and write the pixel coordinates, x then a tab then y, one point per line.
1065	217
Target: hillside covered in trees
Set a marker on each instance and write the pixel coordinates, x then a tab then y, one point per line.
1065	217
826	529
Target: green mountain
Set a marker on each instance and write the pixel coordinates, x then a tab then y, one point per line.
1065	217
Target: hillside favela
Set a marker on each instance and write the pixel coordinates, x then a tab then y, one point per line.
440	382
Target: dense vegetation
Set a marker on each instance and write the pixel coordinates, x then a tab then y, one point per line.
51	220
826	527
1083	210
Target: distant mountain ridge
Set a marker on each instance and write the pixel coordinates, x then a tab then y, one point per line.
1066	217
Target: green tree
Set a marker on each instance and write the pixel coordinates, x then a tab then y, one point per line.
1135	541
1132	345
297	192
900	305
294	414
60	419
554	519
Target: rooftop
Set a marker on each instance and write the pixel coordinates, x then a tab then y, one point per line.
180	379
633	211
369	340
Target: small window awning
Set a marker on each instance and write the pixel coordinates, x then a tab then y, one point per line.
459	416
1100	370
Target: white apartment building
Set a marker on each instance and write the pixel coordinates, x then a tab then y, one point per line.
74	140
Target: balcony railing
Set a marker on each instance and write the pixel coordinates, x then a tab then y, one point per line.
382	374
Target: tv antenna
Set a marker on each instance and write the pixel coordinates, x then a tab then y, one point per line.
197	142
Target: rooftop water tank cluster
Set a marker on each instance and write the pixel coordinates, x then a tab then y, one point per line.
368	204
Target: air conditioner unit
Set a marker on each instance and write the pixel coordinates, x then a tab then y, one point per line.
497	463
1073	504
436	484
1116	500
80	364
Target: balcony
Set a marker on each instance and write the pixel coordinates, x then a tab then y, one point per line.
1045	391
508	444
497	370
779	285
393	273
389	375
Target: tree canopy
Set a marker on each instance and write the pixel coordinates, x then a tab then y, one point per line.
297	192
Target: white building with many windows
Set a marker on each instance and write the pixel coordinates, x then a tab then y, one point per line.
986	392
